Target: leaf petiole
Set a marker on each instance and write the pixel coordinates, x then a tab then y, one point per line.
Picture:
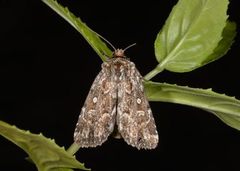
73	148
159	68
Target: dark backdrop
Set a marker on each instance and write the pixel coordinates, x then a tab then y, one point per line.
47	68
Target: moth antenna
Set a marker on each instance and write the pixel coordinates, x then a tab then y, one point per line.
129	46
105	40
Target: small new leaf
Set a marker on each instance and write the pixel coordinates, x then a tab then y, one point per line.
44	152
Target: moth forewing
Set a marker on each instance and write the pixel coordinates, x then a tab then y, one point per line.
134	116
97	118
117	95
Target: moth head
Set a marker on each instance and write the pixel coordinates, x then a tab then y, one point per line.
119	53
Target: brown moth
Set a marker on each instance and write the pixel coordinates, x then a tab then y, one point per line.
116	100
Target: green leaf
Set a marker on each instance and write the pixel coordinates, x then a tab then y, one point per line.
92	37
47	155
224	45
225	107
232	121
190	35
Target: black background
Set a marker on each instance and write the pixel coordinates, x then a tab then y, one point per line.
47	68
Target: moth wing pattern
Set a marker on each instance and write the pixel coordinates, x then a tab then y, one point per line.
134	116
98	114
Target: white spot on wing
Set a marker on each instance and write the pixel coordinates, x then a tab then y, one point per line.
95	100
139	101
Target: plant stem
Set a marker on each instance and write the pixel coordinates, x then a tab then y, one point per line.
73	148
154	72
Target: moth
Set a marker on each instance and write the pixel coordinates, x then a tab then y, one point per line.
116	103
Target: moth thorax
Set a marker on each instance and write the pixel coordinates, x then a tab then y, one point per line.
119	53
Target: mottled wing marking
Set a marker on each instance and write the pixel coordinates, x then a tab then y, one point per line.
97	118
134	116
117	95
